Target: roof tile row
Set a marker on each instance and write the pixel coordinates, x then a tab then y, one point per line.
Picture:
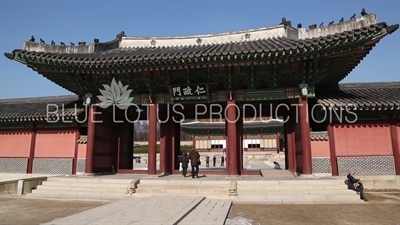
362	96
122	55
319	136
40	109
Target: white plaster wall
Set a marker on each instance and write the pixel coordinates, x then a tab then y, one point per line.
338	27
239	36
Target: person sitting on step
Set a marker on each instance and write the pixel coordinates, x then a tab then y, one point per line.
355	185
277	166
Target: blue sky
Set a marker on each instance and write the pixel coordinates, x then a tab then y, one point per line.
85	20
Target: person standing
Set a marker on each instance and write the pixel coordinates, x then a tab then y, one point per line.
185	163
207	161
214	161
222	160
194	157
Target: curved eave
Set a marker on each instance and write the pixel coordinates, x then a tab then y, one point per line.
41	117
269	49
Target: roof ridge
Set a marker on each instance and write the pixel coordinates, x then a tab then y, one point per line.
40	97
373	85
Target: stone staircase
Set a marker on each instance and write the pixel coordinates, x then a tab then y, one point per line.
212	189
83	188
295	191
274	191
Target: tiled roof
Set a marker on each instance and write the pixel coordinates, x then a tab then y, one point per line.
362	96
319	136
260	47
82	139
35	109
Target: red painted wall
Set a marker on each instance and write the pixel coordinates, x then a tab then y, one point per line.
320	148
55	143
81	151
398	131
15	144
363	139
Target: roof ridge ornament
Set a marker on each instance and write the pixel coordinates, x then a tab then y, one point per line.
286	22
198	40
120	35
247	36
153	42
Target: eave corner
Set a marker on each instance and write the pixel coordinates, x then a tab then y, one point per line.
391	29
9	55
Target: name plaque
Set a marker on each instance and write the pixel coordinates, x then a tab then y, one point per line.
189	92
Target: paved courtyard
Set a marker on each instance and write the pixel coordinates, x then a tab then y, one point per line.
20	211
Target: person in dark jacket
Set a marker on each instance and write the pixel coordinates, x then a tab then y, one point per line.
214	160
185	163
355	185
194	157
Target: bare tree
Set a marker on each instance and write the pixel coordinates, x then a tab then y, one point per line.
141	132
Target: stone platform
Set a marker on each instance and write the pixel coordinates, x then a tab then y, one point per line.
271	189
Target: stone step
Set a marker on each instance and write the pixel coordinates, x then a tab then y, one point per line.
295	191
380	183
208	196
297	197
209	211
187	181
73	197
275	202
78	193
172	186
89	180
293	181
184	191
290	187
78	188
83	184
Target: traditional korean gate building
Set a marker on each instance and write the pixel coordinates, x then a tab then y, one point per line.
268	66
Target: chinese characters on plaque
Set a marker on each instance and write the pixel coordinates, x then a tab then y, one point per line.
187	92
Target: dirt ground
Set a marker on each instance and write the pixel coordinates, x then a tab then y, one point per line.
378	210
15	210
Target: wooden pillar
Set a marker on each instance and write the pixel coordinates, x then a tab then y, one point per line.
165	143
290	141
152	141
232	153
163	146
332	150
172	144
32	150
90	139
239	133
305	136
177	141
394	132
75	160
